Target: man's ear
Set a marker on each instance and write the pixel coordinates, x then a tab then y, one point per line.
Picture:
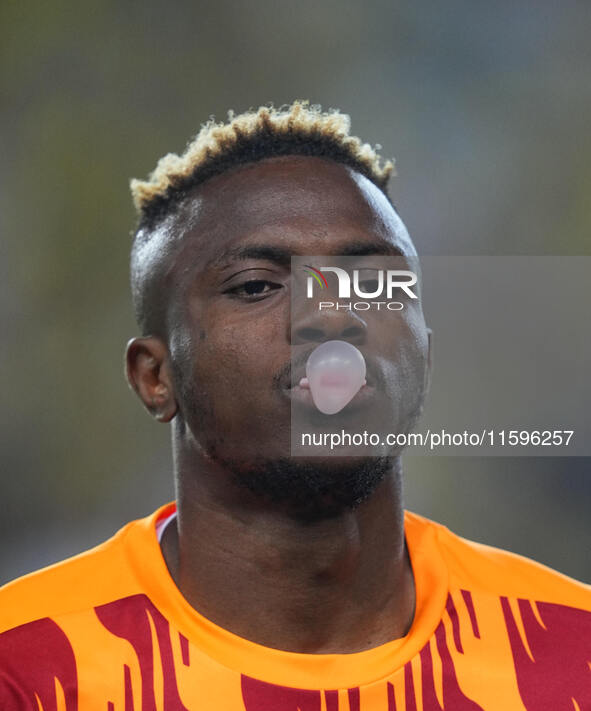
147	368
429	370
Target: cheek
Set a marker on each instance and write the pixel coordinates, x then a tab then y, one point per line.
226	366
402	332
233	376
416	341
236	360
221	343
405	344
414	365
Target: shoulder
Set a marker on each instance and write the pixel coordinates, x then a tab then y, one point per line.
77	583
479	567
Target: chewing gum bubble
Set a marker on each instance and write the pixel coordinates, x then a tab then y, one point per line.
335	372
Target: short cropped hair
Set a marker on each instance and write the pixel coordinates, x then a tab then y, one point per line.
296	129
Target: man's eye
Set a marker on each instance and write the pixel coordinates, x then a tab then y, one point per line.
368	286
255	287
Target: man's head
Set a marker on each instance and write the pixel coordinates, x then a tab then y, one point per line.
162	200
211	281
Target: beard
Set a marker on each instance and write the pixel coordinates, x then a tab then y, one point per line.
311	490
307	489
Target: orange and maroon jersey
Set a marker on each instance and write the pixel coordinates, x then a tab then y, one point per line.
108	630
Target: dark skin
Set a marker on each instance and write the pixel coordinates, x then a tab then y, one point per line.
338	584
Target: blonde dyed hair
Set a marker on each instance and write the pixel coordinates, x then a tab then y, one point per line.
296	129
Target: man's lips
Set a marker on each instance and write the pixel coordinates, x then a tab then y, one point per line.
327	381
301	394
296	388
300	380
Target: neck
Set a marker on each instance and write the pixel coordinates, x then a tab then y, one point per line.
336	585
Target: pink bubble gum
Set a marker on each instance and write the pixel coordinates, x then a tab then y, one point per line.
335	372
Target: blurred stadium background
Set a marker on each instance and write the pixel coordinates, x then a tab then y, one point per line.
486	107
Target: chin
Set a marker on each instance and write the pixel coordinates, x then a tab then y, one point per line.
311	488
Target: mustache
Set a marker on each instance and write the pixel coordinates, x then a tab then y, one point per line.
284	374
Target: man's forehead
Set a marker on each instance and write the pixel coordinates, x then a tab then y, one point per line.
301	206
282	254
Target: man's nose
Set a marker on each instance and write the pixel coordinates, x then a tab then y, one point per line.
329	324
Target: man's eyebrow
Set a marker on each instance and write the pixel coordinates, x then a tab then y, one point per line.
269	253
364	249
282	256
